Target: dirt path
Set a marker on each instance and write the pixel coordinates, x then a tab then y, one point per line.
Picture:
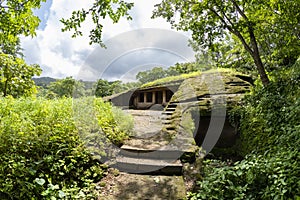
139	187
123	186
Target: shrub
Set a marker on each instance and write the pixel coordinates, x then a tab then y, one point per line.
41	153
101	126
271	117
115	124
270	138
256	177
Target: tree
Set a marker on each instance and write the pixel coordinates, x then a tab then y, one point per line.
151	75
17	18
103	88
115	9
267	30
118	86
67	87
255	24
16	76
185	68
10	48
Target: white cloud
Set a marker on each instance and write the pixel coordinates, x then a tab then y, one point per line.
60	55
56	52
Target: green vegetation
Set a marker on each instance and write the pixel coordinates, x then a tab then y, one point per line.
157	73
270	140
240	33
13	24
116	125
50	149
115	9
182	77
42	153
67	87
170	79
257	27
153	74
16	76
105	88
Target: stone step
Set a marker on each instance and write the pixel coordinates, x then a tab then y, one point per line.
167	112
148	166
158	154
170	128
166	117
171	109
182	149
166	122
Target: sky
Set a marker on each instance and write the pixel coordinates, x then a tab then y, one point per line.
132	46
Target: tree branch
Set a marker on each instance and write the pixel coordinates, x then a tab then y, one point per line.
227	18
235	32
239	10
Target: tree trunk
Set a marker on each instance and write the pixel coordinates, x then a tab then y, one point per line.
254	51
261	69
257	60
5	89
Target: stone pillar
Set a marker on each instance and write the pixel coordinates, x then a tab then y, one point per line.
138	98
145	97
153	97
135	101
164	95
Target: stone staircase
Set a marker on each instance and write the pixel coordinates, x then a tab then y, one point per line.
155	155
167	114
145	161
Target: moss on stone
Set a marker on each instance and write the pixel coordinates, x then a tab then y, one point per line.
200	93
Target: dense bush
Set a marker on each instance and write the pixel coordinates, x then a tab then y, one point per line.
42	155
270	138
271	118
272	176
116	125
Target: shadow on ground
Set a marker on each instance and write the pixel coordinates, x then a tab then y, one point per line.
134	186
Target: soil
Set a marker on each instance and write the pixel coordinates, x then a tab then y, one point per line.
125	186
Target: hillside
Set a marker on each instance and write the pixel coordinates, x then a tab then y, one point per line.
45	82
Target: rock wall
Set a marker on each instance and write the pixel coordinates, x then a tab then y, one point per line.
209	97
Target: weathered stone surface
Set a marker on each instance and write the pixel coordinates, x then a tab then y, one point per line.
146	165
209	97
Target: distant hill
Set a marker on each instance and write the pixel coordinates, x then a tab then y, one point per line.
43	81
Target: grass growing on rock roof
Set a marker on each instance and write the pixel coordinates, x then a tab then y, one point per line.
181	77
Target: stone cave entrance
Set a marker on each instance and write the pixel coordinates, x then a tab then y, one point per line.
147	98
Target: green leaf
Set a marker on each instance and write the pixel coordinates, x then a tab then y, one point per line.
61	194
40	181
